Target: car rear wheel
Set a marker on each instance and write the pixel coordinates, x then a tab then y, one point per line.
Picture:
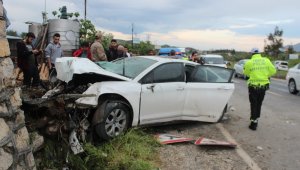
116	118
292	87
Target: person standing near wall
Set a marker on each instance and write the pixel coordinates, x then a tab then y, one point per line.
259	69
27	61
53	51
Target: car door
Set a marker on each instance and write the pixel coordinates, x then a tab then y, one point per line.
208	91
297	76
163	94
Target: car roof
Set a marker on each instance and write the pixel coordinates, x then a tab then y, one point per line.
212	55
166	59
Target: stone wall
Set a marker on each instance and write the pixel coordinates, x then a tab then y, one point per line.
15	147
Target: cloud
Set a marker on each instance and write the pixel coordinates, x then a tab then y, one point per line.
243	26
201	24
278	22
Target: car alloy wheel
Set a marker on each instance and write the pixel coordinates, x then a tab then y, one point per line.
292	87
115	122
115	119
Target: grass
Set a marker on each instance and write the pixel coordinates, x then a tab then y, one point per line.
280	74
133	150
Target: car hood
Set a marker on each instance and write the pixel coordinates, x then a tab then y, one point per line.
67	67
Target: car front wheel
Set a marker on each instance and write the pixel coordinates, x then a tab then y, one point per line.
292	87
115	120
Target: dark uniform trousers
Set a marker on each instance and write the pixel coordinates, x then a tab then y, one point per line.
256	97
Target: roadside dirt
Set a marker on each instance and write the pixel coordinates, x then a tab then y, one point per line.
189	156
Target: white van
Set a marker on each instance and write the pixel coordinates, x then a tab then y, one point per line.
214	59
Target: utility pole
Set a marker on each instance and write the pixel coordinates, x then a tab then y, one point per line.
44	14
132	35
84	9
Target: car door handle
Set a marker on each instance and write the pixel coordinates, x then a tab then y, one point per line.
151	87
224	88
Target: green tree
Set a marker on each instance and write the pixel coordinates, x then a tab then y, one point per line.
275	43
106	38
290	50
23	34
54	13
142	48
87	31
76	14
12	33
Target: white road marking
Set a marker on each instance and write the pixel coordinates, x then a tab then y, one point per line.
276	94
241	152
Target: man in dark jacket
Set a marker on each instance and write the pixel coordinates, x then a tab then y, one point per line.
115	50
27	60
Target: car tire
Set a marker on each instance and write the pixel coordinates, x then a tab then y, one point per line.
292	87
116	118
223	113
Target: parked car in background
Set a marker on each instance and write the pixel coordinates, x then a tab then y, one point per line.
281	65
239	68
227	63
293	79
214	59
146	90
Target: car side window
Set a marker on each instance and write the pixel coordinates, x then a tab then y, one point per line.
188	71
170	72
211	74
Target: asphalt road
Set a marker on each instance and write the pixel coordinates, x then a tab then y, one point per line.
276	143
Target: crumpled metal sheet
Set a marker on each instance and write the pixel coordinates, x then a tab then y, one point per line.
66	67
74	143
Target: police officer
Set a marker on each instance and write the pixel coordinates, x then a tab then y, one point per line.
259	69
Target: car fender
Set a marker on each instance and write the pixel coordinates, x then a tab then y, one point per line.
129	90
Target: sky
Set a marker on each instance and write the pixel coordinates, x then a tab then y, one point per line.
201	24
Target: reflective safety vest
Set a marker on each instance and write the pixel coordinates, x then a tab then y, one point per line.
259	69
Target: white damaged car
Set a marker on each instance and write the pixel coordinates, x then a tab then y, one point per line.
147	90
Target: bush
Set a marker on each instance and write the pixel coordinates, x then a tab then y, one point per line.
293	62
